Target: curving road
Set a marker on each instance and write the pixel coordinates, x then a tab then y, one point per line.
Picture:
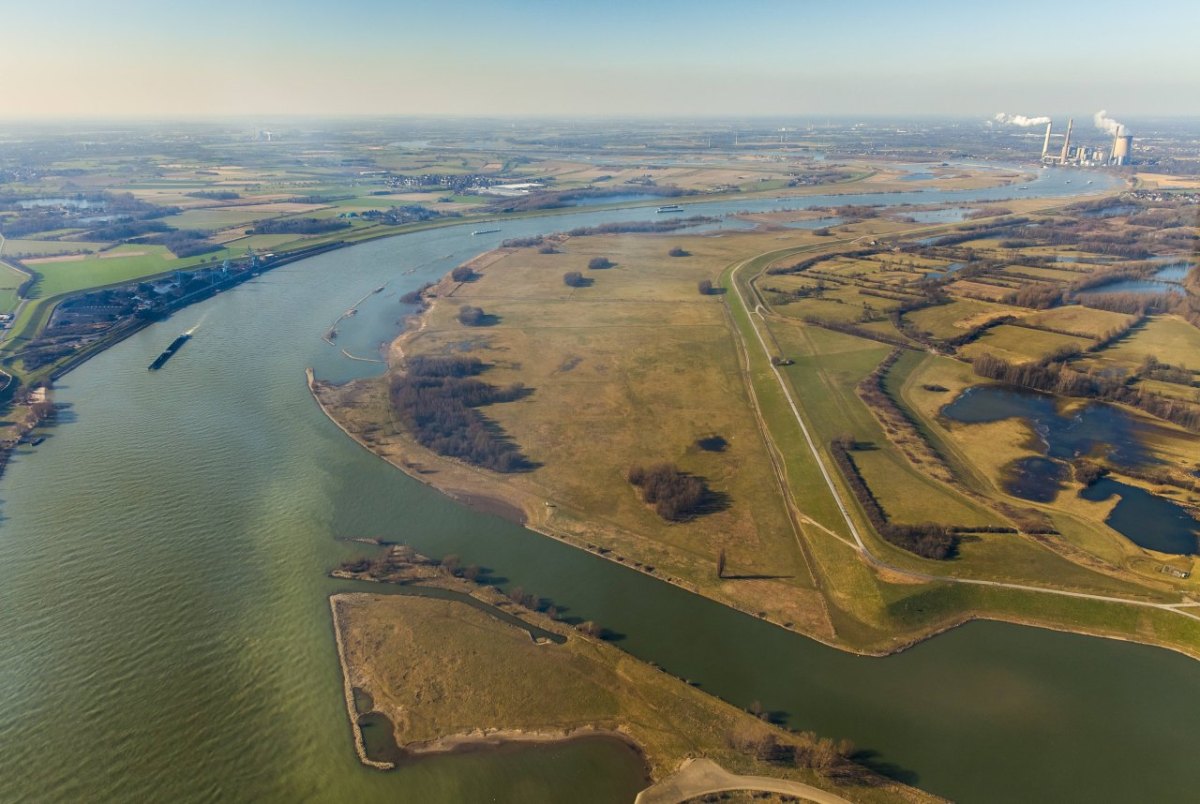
702	777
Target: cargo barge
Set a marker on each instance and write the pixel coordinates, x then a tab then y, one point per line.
170	351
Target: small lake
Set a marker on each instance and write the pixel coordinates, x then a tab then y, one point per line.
1146	519
1035	478
1164	280
952	268
1095	427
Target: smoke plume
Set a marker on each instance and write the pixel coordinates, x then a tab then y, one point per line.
1020	120
1107	124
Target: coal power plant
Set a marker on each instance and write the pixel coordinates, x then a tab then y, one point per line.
1115	152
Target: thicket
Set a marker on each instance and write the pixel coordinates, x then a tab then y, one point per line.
1036	296
298	226
675	495
1137	304
574	279
416	296
523	242
600	263
463	273
185	243
436	400
215	195
471	316
642	226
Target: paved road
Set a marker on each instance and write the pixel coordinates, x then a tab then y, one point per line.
759	312
701	777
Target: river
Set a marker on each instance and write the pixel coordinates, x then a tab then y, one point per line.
166	637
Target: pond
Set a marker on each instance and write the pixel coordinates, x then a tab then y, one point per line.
1146	519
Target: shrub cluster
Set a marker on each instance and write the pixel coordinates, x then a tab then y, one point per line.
675	495
471	316
522	242
436	400
641	226
298	226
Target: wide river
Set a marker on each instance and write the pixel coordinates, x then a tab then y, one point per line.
165	635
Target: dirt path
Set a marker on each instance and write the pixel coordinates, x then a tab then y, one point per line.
700	777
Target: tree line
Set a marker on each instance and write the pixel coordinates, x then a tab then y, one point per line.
298	226
927	540
1059	378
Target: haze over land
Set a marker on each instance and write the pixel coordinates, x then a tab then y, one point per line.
665	58
773	398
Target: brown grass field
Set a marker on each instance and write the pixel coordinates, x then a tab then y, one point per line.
445	673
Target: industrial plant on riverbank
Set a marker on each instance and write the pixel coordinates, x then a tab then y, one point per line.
1119	152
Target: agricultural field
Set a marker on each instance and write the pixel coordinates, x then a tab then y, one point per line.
1169	339
117	265
214	218
952	319
1087	322
1022	344
14	247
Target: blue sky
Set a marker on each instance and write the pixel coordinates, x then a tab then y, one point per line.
656	57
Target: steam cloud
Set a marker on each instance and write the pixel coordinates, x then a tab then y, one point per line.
1107	124
1021	120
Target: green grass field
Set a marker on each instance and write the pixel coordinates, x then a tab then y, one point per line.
118	265
10	280
46	248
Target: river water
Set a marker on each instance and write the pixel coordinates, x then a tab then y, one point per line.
165	633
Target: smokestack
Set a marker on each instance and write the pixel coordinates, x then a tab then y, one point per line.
1122	148
1067	142
1046	143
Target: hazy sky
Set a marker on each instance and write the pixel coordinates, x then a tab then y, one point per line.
607	57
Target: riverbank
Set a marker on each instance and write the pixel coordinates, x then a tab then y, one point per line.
451	678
